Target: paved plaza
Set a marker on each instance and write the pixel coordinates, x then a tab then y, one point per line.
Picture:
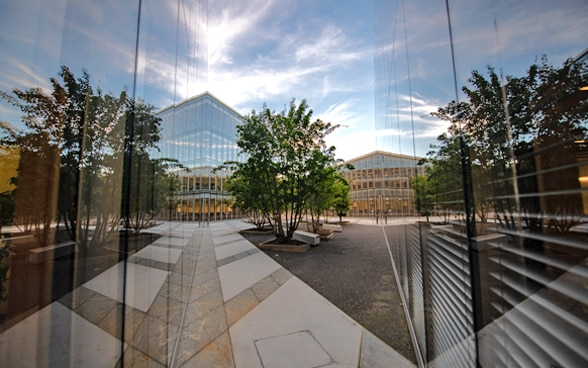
196	297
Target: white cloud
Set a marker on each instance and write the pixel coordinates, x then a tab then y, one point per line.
229	23
352	144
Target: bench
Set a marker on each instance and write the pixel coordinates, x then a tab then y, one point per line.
335	228
19	239
49	252
306	237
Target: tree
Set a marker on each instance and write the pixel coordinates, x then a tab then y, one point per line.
341	201
513	128
322	195
423	198
285	154
248	195
155	182
444	174
74	144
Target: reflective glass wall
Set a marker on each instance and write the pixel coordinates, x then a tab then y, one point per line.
86	273
494	96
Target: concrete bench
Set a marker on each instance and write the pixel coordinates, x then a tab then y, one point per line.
306	237
334	227
19	239
44	254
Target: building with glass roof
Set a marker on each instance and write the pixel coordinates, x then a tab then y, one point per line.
201	134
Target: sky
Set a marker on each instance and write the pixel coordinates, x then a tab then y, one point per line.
271	51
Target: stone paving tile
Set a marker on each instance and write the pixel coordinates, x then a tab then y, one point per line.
201	307
156	339
242	274
204	276
180	279
96	307
265	287
76	297
166	310
236	257
206	262
137	359
201	289
186	266
375	353
240	305
151	263
227	238
112	322
281	276
217	354
174	291
198	334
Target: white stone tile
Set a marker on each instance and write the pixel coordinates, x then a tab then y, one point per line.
229	250
57	337
142	284
167	241
292	308
272	351
239	275
165	255
226	239
376	353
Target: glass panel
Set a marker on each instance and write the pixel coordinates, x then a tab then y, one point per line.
500	110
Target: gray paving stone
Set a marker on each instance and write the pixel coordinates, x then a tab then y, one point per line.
239	306
207	262
265	287
201	307
112	322
167	310
156	339
96	307
137	359
175	291
198	334
204	276
217	354
76	297
281	276
180	279
201	289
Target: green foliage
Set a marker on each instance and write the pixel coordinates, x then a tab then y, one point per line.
286	157
155	185
509	126
248	194
341	200
322	196
424	197
74	146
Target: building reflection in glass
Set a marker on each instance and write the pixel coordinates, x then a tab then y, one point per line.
201	134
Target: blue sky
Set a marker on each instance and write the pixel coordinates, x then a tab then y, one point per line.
270	51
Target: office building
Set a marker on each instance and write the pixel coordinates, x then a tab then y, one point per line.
201	133
380	185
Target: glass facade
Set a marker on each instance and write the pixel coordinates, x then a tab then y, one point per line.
380	185
201	134
494	96
86	279
101	236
